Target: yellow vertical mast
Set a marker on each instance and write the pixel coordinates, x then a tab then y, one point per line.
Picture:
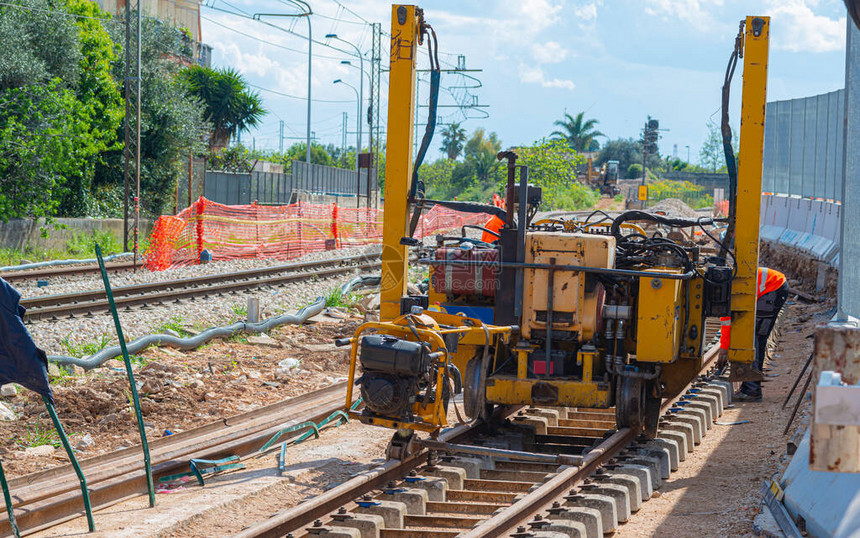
754	96
405	30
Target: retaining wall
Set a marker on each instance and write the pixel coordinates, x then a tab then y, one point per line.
19	234
808	225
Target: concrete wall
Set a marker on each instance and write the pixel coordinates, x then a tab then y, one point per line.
22	233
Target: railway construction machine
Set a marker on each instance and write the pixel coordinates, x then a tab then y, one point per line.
595	313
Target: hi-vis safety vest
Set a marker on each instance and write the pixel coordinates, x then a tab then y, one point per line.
768	280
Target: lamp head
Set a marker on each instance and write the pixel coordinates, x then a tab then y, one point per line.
331	36
336	81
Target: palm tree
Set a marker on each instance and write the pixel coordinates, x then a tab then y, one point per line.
453	138
230	106
577	131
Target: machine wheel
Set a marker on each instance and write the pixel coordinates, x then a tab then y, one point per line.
653	399
630	398
474	397
401	445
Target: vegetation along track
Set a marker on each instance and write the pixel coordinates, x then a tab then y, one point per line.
92	301
47	498
571	471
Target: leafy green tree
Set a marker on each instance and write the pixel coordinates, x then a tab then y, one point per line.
61	106
230	107
480	153
712	156
453	138
579	133
437	178
172	123
628	152
552	165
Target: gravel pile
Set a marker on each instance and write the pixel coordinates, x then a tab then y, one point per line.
197	314
674	208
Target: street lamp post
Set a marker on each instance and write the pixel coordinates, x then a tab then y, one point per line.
306	13
688	154
360	86
357	140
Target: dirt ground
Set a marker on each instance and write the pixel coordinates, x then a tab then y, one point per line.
179	390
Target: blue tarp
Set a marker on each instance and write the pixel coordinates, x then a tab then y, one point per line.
20	360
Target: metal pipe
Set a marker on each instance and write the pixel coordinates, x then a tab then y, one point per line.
581	268
132	385
451	448
63	262
85	492
521	239
193	342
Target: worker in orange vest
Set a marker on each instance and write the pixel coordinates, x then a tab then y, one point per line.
771	292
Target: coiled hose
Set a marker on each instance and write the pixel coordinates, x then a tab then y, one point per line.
192	342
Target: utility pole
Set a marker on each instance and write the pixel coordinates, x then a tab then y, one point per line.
375	91
343	141
131	148
281	137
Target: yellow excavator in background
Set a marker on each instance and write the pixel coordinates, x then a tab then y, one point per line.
591	314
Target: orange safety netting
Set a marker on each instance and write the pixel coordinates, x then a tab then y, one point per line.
277	232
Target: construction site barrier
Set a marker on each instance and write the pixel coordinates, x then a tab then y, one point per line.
809	225
276	232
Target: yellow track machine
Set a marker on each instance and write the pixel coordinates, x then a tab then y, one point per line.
594	313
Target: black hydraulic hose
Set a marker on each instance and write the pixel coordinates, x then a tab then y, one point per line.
193	342
726	130
615	229
415	196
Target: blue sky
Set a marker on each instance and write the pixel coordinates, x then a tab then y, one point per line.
617	60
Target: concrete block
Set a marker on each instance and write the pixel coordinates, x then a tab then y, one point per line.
679	438
664	467
629	481
728	390
619	493
369	525
671	448
327	531
713	397
602	503
652	464
472	466
455	476
392	512
643	473
570	528
537	422
695	418
674	422
415	499
705	407
587	516
551	415
437	488
548	534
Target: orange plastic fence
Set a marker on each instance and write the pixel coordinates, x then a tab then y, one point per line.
277	232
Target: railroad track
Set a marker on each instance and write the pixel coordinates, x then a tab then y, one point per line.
92	301
608	474
44	499
67	270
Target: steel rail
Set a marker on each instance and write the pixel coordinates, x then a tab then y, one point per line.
14	276
503	522
344	494
542	497
89	302
47	498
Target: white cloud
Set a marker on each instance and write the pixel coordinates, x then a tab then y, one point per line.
694	12
550	52
536	75
797	28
